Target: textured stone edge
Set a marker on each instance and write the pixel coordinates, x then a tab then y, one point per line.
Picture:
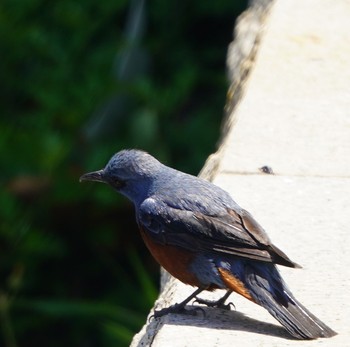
241	55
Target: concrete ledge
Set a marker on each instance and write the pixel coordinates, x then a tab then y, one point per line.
294	117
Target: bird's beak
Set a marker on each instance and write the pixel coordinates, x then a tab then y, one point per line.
96	176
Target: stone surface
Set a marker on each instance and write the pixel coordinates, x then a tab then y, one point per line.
295	115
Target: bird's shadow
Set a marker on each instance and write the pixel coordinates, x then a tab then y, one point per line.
214	318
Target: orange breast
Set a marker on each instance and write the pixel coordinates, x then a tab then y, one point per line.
173	259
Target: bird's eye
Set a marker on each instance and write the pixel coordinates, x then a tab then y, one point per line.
117	183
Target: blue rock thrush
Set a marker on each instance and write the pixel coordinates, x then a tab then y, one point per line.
201	236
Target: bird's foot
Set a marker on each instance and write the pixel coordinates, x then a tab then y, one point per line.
216	303
177	309
180	308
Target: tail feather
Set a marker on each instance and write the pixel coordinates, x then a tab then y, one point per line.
268	289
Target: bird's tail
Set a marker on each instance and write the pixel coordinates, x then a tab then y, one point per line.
268	289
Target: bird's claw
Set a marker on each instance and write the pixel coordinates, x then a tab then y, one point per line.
215	303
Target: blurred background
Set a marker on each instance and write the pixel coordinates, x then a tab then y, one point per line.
80	80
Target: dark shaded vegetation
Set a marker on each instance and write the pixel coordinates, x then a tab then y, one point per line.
81	80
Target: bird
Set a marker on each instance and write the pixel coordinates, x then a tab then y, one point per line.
201	236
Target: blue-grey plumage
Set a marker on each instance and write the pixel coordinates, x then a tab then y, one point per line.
198	233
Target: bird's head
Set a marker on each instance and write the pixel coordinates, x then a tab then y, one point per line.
130	172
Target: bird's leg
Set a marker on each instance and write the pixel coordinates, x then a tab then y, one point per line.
180	307
217	303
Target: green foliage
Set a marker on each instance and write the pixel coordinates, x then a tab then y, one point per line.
80	81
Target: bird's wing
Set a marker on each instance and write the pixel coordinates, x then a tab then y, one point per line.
231	232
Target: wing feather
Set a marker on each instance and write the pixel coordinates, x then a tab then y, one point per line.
231	232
